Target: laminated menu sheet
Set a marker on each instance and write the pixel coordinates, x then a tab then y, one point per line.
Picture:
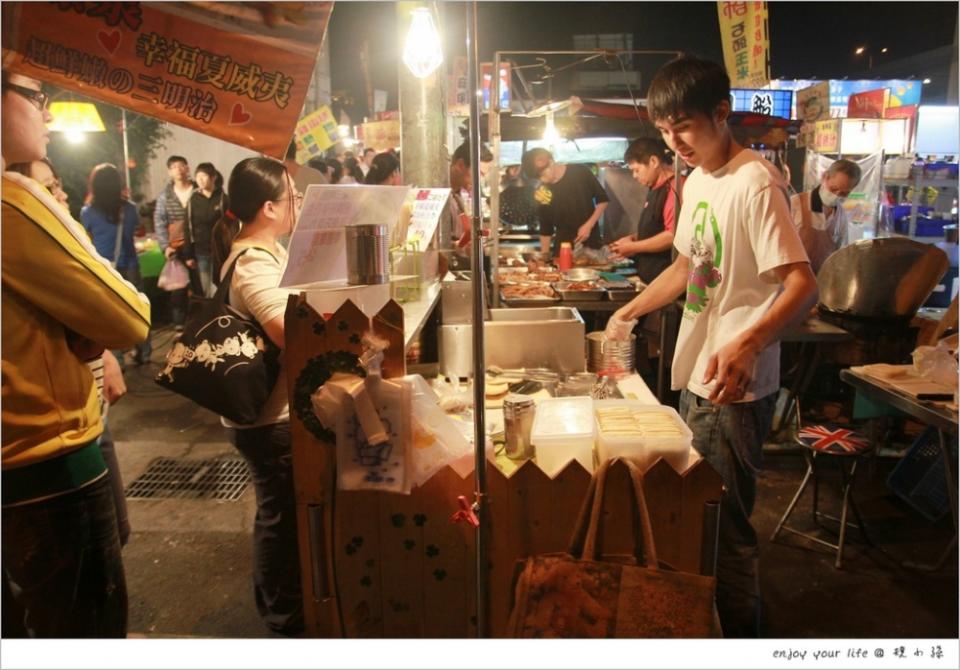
427	206
317	250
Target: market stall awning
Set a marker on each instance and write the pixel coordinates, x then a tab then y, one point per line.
603	118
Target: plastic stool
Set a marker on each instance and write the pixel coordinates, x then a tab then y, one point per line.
836	443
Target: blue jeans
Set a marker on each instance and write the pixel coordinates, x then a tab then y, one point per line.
276	558
145	348
62	570
204	272
730	438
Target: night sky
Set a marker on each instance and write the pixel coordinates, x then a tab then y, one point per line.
808	39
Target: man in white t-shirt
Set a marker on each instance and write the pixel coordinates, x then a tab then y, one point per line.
747	279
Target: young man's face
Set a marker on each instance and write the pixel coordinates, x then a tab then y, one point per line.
368	156
546	170
696	137
178	171
645	173
24	130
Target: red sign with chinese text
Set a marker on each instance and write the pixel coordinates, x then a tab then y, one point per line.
233	70
868	105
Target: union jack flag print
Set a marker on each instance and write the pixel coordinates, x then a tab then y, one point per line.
833	439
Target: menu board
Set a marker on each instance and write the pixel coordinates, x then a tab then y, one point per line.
428	205
317	250
813	104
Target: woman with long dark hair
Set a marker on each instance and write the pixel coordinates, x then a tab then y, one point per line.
264	206
384	170
111	222
206	206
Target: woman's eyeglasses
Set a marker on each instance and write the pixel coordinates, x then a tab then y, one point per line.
39	99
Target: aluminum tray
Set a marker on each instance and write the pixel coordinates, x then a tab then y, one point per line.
561	288
528	302
622	294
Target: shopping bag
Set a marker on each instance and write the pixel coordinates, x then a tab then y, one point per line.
578	595
174	275
222	361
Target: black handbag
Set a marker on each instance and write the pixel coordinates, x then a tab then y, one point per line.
222	361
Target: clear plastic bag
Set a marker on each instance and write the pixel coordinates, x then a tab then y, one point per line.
938	364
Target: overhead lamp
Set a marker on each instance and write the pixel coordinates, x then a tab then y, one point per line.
927	80
884	50
860	50
422	53
550	134
75	119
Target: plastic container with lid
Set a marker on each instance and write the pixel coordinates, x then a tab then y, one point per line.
563	430
646	449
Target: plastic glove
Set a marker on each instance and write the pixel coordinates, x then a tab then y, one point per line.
618	329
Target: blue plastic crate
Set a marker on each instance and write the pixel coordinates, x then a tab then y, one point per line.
920	478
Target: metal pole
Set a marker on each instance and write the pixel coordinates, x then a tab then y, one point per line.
493	133
126	152
479	365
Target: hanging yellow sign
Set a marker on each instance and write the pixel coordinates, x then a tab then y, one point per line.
316	132
746	43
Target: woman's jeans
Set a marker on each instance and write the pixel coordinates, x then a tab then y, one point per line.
276	559
62	569
204	272
730	438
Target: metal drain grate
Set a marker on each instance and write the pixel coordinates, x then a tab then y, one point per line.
216	479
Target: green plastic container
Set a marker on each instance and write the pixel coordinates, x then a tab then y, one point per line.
151	262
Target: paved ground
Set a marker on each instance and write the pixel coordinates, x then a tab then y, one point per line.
188	562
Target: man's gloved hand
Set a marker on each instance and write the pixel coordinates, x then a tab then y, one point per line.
619	329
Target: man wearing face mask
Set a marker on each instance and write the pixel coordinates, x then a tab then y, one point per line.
819	215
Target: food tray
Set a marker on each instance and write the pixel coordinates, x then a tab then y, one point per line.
622	294
581	274
563	288
510	298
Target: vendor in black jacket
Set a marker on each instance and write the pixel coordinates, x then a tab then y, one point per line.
571	201
650	161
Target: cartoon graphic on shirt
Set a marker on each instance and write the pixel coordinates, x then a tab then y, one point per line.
704	274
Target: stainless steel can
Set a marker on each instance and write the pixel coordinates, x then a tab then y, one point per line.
368	254
518	413
613	358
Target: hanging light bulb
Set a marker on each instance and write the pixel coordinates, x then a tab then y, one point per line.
422	53
550	134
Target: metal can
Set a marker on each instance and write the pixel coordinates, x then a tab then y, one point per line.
518	413
368	254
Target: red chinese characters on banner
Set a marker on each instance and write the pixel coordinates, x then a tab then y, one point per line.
746	43
235	71
868	105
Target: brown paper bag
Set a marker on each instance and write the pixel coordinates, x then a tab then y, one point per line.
577	595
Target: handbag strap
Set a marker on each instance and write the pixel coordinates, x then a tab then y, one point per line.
119	240
223	290
587	539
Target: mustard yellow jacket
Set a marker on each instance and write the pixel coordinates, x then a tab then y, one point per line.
54	281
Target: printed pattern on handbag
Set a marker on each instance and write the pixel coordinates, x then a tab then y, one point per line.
232	350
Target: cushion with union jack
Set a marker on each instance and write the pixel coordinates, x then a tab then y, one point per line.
831	439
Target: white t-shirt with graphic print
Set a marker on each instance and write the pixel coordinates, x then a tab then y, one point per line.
735	227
